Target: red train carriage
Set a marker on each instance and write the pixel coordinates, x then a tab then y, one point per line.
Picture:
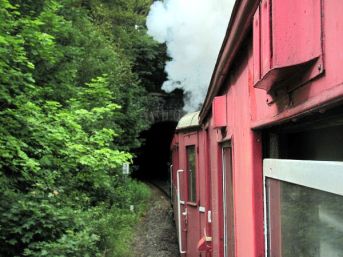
190	184
260	172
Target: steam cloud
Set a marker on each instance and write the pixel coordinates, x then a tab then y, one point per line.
193	31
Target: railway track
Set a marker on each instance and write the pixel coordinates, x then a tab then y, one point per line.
162	186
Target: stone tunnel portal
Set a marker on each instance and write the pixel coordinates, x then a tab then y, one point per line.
153	157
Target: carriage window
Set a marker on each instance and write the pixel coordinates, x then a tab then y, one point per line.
191	168
304	206
228	213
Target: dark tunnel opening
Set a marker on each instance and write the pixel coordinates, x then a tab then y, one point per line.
153	157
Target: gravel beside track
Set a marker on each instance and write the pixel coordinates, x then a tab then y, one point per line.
155	236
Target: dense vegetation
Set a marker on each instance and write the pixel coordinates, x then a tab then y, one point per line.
73	81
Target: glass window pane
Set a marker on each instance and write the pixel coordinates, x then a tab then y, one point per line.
191	168
303	222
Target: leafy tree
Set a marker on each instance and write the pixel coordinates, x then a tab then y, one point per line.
71	106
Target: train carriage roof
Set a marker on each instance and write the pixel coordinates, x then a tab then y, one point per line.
190	120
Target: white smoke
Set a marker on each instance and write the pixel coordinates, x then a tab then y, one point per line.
193	31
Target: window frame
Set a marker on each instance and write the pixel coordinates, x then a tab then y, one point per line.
325	176
227	252
193	199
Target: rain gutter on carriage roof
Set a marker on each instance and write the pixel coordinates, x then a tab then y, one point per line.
239	25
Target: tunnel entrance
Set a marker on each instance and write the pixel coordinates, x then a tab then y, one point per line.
153	157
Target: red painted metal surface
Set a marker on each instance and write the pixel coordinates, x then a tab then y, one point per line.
287	43
257	45
265	27
280	52
219	111
296	31
204	193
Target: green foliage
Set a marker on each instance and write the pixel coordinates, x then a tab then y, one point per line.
117	241
125	22
71	106
79	244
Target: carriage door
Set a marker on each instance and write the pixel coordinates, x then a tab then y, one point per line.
228	212
193	217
